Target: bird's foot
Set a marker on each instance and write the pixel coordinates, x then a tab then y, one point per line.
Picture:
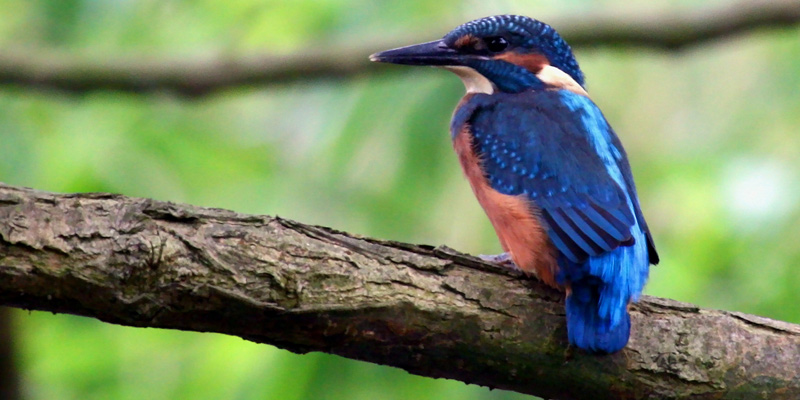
503	260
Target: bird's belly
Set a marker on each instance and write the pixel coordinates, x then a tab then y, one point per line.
513	218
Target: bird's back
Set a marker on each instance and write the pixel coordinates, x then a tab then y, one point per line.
556	184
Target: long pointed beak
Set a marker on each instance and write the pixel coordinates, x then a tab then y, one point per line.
430	53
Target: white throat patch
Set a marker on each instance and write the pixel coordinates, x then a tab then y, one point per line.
555	77
473	80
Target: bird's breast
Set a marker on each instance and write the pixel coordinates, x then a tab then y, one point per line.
514	218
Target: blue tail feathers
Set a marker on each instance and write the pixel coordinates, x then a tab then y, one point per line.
587	329
600	290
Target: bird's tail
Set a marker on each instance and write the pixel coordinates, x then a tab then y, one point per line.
592	327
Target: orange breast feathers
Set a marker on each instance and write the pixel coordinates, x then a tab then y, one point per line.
513	217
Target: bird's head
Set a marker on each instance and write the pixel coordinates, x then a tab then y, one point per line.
507	53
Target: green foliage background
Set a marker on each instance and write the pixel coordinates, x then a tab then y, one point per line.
712	133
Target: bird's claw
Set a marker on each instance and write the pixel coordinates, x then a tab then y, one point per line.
503	260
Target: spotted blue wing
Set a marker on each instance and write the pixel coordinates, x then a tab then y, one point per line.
556	148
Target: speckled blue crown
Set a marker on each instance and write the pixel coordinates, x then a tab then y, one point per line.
527	34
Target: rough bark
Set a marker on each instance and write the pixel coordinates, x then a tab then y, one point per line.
195	76
431	311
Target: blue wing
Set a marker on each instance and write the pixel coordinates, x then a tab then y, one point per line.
557	148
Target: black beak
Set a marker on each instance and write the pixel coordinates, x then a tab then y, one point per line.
431	53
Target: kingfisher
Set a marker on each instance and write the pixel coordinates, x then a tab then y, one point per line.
548	170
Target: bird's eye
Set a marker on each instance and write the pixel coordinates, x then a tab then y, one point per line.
496	44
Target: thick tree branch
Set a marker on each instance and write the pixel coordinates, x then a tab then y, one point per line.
431	311
201	75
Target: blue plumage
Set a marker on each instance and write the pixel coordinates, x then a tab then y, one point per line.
556	148
544	151
524	35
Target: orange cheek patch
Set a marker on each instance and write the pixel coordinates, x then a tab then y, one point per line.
513	217
532	62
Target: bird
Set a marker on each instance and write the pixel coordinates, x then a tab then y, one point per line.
547	169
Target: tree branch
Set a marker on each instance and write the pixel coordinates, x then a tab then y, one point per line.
194	76
431	311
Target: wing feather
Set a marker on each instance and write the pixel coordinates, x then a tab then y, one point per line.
561	159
